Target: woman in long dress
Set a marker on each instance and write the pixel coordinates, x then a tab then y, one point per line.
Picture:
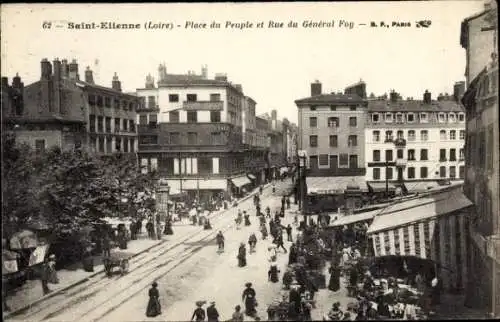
154	306
334	284
242	255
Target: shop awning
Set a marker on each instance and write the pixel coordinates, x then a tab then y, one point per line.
419	209
334	185
251	176
240	181
421	186
352	219
380	186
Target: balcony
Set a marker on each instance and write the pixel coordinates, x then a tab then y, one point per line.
399	142
203	106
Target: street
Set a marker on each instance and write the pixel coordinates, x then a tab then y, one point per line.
186	271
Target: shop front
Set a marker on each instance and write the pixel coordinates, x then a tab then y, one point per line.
240	185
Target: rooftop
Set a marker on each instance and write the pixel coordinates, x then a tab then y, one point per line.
414	106
331	98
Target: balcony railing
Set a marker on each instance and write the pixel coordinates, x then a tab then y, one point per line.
203	105
399	142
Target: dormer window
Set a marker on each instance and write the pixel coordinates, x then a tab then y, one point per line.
452	118
388	117
461	117
410	118
441	117
375	118
424	118
399	118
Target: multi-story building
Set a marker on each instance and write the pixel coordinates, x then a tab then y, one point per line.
192	132
479	38
414	142
61	110
331	132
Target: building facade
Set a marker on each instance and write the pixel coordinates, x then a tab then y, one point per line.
192	132
409	142
62	110
479	38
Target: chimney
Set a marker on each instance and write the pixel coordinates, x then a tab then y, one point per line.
458	91
73	70
57	69
116	84
204	71
315	88
150	82
16	81
238	87
46	69
394	96
64	68
427	97
89	78
274	115
221	77
440	97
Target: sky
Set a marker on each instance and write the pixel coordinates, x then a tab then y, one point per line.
274	65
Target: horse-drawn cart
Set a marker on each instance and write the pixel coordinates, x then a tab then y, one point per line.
117	259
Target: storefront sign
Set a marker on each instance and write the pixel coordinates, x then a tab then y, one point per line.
326	191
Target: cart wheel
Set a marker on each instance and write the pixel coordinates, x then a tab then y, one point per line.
124	266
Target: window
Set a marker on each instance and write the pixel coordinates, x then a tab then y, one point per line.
388	117
461	117
192	116
313	141
424	118
388	155
313	108
39	146
442	155
442	135
375	118
333	122
388	136
452	118
118	145
376	155
313	161
376	136
424	135
343	159
353	161
333	108
107	124
323	159
399	153
132	125
191	97
352	140
216	138
173	116
99	101
411	155
173	97
101	144
143	119
215	116
352	108
411	173
453	172
441	117
400	135
442	172
410	118
461	172
125	124
399	118
153	119
100	124
461	135
313	122
131	106
423	155
125	145
388	173
411	135
333	141
461	155
116	103
423	172
215	97
453	155
151	102
124	105
353	122
453	135
175	138
107	101
91	123
91	99
192	138
376	173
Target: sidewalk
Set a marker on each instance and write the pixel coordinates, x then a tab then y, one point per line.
31	292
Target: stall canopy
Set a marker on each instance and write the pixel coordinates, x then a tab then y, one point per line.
251	176
333	185
240	181
419	209
380	186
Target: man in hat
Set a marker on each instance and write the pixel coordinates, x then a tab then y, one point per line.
242	255
199	312
212	314
249	298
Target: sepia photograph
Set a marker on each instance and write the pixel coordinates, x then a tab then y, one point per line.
250	161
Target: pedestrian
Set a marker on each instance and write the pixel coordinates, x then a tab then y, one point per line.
435	291
263	230
49	274
268	212
279	242
242	255
106	245
272	274
168	227
154	306
122	237
212	313
292	256
334	284
220	241
247	218
289	232
295	298
283	201
207	225
252	242
150	229
237	315
88	258
248	298
133	230
199	312
287	202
